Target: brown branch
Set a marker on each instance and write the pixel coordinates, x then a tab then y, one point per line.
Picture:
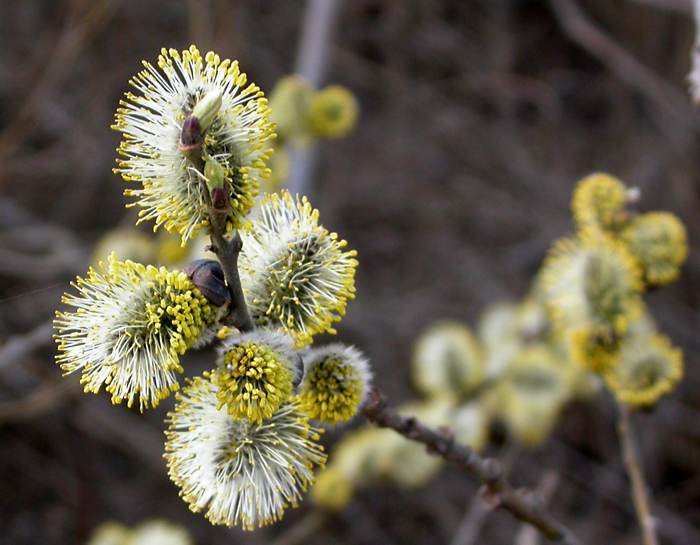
631	458
674	6
527	534
498	492
228	250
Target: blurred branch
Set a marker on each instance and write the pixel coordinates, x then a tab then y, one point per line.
630	456
85	19
498	492
315	36
18	346
694	76
674	526
469	529
199	20
527	534
470	526
311	65
39	402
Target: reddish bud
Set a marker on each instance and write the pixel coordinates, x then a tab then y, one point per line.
219	198
191	136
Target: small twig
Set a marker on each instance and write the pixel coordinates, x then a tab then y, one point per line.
527	534
498	492
228	250
469	529
470	526
631	458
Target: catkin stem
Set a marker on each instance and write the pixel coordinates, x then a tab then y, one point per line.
631	458
227	251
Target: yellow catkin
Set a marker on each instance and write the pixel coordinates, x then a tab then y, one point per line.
332	391
253	382
130	326
647	368
597	202
163	178
659	242
333	112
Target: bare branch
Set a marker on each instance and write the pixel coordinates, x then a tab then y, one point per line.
39	402
498	492
582	30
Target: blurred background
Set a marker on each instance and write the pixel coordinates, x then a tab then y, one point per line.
476	120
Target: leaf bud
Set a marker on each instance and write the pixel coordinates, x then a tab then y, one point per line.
208	276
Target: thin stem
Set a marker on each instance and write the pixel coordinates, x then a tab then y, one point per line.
498	492
228	250
631	458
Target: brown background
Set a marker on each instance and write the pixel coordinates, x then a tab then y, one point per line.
477	119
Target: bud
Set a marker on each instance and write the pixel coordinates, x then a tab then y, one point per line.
191	136
215	176
208	276
214	173
219	199
206	109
